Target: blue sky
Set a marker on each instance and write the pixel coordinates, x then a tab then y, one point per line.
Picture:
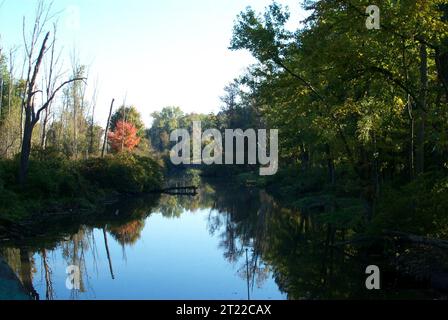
156	53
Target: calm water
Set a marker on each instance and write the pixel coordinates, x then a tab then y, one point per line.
176	248
222	244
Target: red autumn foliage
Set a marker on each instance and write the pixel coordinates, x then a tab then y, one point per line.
124	137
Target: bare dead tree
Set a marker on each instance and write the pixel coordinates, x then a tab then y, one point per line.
92	120
32	115
75	108
107	129
41	18
84	107
50	83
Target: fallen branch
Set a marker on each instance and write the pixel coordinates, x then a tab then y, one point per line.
182	191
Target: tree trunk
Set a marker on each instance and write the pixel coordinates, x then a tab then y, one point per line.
368	192
412	140
305	157
92	132
107	129
26	148
421	114
43	142
30	117
330	165
75	129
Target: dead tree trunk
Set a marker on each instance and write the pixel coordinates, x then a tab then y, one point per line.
49	89
32	117
107	129
29	121
43	141
92	123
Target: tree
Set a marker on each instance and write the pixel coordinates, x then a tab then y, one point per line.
124	137
130	115
346	96
10	115
49	87
33	114
164	122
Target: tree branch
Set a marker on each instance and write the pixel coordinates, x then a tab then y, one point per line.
53	95
36	71
390	76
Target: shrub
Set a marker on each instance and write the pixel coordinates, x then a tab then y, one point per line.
8	171
9	201
124	173
53	179
420	207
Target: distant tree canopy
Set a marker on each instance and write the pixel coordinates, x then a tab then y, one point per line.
168	120
163	123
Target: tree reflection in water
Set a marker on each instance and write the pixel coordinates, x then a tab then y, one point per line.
124	220
294	248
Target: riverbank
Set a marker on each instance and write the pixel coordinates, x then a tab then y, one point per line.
419	207
56	185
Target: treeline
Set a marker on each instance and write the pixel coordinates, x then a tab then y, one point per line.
362	112
238	111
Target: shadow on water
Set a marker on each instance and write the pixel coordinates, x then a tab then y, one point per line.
259	238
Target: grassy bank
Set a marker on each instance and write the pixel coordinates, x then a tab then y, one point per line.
56	184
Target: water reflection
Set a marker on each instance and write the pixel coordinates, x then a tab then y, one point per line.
225	243
41	255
